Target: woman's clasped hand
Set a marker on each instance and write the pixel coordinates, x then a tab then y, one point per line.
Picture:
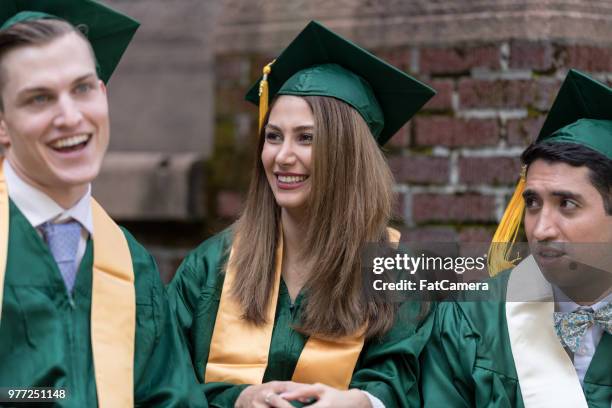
279	394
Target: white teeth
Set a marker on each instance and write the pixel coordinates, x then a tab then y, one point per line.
291	179
70	141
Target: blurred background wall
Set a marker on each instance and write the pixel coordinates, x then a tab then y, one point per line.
182	135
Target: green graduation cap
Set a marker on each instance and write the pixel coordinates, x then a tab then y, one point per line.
320	62
581	114
108	31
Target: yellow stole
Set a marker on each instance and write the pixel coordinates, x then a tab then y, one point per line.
239	350
113	304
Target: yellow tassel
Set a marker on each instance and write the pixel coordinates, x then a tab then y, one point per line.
507	231
263	94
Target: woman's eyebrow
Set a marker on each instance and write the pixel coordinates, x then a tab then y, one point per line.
303	128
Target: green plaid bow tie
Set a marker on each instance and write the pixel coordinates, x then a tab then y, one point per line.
571	327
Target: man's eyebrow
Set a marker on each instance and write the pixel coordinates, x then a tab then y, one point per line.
84	77
529	193
34	89
567	194
37	89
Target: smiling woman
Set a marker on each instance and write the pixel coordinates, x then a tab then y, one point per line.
287	150
320	163
274	307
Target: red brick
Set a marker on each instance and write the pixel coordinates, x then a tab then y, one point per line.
521	132
229	204
398	57
452	208
587	58
489	170
476	234
452	132
458	60
442	100
429	234
483	94
531	55
398	207
475	241
401	138
420	169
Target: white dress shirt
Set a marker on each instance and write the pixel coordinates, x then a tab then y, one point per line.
39	208
375	402
590	341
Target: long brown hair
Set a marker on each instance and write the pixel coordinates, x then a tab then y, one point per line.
349	205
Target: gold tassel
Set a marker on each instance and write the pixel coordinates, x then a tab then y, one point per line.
507	231
263	94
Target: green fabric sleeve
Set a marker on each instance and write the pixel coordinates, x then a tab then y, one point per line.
163	374
388	368
223	395
448	359
194	297
193	291
468	361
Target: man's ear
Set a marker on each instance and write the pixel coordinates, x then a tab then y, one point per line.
103	87
5	140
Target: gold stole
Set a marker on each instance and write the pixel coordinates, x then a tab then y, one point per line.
239	350
545	372
113	304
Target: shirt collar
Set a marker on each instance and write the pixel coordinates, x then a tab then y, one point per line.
39	208
566	305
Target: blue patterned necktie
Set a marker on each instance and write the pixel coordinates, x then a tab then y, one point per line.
63	241
571	327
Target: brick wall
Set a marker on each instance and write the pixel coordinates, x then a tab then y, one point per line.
456	162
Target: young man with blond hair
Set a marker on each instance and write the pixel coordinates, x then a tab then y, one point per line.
83	309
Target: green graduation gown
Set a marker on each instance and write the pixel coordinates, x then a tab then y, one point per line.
474	352
387	368
45	334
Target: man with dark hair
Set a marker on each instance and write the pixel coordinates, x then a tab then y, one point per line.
547	341
82	307
576	155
